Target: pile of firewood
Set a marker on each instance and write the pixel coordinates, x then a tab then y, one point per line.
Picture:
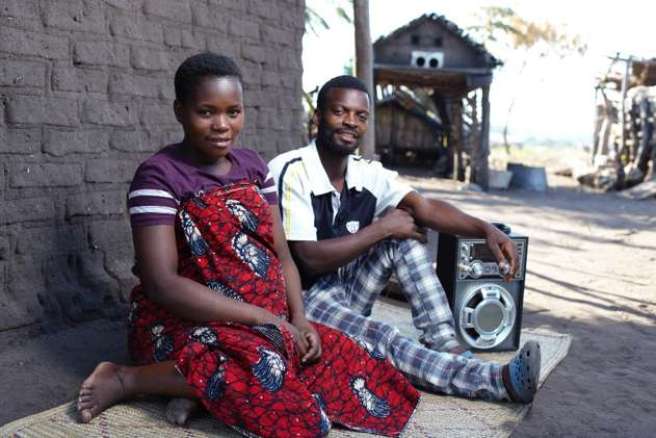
624	149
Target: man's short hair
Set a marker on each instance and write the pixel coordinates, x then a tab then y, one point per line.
345	81
201	66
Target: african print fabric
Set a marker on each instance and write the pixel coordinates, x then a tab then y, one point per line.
251	377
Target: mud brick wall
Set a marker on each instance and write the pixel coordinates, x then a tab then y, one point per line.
86	91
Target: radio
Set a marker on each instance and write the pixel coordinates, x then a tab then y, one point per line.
486	309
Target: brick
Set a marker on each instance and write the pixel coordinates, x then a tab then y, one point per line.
19	8
264	9
128	5
45	175
174	10
75	15
264	118
149	59
5	248
23	14
293	18
132	141
254	96
121	84
107	170
110	235
253	52
100	112
96	203
252	77
20	141
289	59
119	267
30	209
20	305
22	42
291	82
251	117
79	80
136	28
223	5
193	40
212	18
51	240
244	29
59	142
22	74
173	37
81	287
223	46
271	78
37	110
276	35
101	53
158	116
171	136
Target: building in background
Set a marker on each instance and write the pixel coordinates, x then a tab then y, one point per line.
436	61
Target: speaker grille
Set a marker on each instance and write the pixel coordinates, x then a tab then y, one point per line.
487	315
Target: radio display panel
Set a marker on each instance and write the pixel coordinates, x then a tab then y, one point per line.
480	251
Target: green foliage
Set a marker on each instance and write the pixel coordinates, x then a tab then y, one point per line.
315	21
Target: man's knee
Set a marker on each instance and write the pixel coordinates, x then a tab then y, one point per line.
400	249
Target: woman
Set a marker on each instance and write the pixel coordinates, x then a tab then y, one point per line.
218	315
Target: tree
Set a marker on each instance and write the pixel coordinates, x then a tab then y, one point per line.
364	69
503	26
315	22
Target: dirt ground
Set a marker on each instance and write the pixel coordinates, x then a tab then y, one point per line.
591	273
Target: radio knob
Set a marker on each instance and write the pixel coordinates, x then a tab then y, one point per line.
476	269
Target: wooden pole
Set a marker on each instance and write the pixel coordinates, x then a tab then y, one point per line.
364	69
625	87
457	136
480	170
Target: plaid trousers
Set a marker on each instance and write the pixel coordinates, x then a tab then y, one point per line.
344	301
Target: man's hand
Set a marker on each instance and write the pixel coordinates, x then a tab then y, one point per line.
309	334
504	251
400	224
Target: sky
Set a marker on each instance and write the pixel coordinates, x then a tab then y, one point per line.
554	97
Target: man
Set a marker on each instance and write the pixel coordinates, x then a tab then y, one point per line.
351	224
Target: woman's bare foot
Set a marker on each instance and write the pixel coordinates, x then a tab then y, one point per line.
179	410
103	388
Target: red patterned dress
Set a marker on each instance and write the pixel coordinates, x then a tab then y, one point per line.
250	377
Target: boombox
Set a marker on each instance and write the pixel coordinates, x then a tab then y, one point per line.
486	309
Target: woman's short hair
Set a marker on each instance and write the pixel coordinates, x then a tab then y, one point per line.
200	66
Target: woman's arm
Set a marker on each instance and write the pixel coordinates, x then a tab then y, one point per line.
310	344
157	257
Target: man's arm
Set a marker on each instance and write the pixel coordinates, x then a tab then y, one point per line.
318	257
444	217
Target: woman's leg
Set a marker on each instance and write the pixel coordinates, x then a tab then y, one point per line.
110	383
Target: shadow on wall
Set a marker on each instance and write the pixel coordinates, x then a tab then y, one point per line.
67	274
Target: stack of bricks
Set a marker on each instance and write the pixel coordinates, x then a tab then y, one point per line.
86	92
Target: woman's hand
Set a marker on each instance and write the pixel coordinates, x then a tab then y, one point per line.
311	339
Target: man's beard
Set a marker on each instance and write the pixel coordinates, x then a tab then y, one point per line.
326	138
